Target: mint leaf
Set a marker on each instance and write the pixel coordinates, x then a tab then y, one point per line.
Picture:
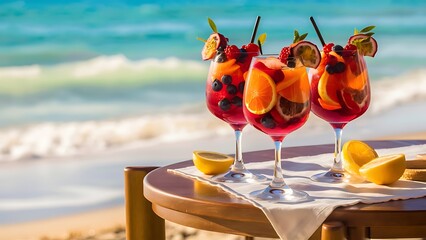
367	29
369	34
212	25
296	36
262	38
302	37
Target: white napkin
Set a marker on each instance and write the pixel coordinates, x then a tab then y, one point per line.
300	220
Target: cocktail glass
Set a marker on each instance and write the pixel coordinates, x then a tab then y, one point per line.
276	102
224	92
340	91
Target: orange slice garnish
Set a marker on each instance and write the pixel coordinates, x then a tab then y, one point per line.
327	90
225	68
291	76
260	93
299	90
356	82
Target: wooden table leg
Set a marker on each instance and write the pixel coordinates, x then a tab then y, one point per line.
333	231
141	222
357	233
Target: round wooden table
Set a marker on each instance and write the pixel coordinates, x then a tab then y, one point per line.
195	204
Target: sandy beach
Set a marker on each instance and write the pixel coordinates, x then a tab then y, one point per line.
109	223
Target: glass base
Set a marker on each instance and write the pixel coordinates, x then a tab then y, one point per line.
281	195
239	177
335	177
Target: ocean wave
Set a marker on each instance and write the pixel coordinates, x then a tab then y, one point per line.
391	92
101	72
66	139
182	122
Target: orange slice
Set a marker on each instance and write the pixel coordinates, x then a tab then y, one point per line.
291	76
356	82
299	91
260	93
325	105
327	90
225	68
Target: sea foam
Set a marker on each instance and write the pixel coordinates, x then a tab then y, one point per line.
101	72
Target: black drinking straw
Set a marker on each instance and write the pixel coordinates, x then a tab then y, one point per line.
256	24
318	31
260	46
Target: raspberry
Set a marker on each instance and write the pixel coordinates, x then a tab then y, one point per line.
350	50
285	52
328	48
232	52
251	48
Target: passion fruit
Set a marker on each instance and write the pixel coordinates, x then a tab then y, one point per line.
307	52
288	109
215	42
366	45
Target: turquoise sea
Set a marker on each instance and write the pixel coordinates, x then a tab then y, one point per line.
65	64
85	76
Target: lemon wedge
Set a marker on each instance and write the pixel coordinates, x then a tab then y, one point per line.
384	170
211	163
355	154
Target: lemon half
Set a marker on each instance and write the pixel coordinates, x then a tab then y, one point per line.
211	163
355	154
384	170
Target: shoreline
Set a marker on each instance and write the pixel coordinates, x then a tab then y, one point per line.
108	220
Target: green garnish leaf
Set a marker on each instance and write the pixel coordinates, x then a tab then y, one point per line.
303	36
262	38
369	34
201	39
212	25
356	31
365	40
298	37
367	29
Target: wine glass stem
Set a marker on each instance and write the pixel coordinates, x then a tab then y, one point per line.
278	180
238	165
337	165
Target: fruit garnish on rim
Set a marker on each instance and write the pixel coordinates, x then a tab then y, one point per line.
304	51
217	47
215	42
364	41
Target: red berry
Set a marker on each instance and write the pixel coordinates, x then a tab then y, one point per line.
251	48
350	50
328	48
285	52
232	52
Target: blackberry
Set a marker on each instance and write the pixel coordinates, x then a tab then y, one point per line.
330	69
291	63
237	101
243	55
220	57
217	85
339	67
226	79
225	104
268	122
338	49
231	89
241	86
